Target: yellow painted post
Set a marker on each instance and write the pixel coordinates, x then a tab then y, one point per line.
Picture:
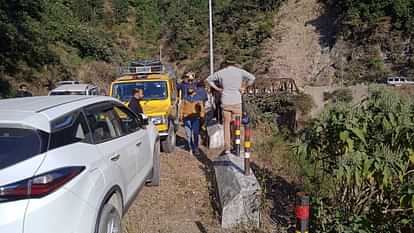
237	133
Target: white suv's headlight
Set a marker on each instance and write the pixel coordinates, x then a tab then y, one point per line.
158	120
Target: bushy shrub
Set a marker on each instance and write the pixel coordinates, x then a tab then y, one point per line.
359	165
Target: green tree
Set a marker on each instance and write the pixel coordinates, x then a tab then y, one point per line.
22	40
90	11
120	9
148	24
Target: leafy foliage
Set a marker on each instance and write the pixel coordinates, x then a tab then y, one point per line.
90	11
120	9
361	158
44	41
239	27
379	35
22	40
277	109
362	15
242	27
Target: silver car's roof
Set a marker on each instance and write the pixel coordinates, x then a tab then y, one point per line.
74	87
37	112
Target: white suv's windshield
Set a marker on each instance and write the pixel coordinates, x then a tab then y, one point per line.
21	144
153	90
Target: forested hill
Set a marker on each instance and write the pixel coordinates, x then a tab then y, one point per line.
374	38
42	41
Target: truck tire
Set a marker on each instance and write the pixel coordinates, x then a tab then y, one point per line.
155	177
168	144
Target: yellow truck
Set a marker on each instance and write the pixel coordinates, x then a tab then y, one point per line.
160	102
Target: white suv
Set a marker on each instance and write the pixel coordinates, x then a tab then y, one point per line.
72	163
399	81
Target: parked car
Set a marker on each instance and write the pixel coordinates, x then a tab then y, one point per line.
68	82
75	89
72	163
160	102
399	81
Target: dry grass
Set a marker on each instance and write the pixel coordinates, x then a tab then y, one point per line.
278	175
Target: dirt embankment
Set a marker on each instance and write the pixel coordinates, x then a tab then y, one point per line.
300	47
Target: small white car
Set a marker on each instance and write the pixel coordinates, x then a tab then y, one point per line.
72	164
75	89
399	81
65	82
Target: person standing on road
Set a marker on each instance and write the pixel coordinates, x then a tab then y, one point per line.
23	92
134	102
202	94
233	82
187	83
191	113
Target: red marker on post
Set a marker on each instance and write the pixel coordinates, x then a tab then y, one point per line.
302	212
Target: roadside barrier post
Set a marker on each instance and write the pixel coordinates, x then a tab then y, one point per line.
237	136
302	212
247	149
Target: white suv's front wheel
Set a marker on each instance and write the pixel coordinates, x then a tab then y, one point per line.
110	220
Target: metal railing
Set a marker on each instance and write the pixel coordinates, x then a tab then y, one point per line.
156	69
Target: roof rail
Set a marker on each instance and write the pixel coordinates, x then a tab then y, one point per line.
143	67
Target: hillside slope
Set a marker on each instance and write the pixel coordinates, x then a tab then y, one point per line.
300	43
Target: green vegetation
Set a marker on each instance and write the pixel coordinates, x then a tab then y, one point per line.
263	109
364	15
358	163
47	40
379	35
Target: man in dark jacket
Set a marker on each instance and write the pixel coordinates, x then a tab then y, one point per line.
188	82
134	102
23	92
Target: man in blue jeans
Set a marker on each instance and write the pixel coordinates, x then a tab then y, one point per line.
191	113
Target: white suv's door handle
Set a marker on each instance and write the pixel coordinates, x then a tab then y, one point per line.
139	144
115	157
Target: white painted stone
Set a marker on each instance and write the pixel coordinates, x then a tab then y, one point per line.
238	194
215	136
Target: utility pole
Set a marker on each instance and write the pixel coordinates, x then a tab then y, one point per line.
211	37
160	52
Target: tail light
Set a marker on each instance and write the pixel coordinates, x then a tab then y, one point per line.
39	186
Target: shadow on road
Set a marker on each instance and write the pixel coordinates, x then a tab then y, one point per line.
201	227
208	169
281	194
181	142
